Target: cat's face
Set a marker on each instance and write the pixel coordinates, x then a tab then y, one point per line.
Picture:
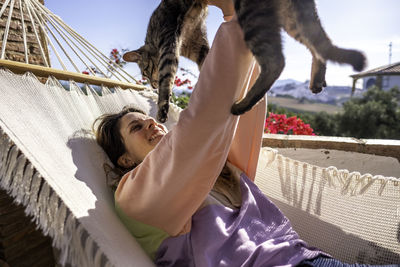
147	61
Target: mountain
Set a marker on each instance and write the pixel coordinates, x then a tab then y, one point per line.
285	82
335	95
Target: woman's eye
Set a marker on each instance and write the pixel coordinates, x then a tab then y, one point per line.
136	127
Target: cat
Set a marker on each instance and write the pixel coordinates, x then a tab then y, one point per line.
261	22
175	23
176	28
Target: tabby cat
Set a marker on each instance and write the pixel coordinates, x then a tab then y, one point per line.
177	27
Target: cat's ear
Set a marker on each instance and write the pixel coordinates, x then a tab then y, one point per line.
125	161
132	56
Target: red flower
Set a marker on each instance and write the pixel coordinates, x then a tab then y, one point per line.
85	72
280	124
178	82
142	81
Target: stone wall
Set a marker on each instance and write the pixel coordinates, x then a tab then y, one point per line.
15	45
21	243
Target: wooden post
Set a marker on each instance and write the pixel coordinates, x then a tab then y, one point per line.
353	89
379	81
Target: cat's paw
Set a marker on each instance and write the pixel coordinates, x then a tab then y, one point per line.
239	108
316	87
162	114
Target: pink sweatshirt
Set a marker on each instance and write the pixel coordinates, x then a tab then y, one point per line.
174	179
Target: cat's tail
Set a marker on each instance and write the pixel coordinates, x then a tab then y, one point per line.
304	25
346	56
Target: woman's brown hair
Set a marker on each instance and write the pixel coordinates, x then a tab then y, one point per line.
108	136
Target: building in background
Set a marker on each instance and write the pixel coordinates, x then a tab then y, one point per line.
385	77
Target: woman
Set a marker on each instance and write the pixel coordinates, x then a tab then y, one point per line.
177	198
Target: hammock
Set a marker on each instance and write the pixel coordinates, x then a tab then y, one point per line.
350	215
51	164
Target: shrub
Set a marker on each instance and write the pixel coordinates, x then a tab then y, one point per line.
375	115
281	124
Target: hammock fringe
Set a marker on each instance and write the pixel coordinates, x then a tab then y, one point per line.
350	183
19	173
28	188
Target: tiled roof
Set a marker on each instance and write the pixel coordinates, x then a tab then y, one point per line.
391	69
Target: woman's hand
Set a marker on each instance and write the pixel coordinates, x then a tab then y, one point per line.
225	5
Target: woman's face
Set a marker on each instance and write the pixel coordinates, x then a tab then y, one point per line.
140	134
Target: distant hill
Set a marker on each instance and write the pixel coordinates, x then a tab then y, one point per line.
334	95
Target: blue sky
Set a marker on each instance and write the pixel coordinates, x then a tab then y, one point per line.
367	25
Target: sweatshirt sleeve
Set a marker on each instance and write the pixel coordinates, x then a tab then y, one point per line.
167	188
245	148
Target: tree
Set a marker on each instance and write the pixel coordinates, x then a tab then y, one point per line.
323	123
375	115
181	101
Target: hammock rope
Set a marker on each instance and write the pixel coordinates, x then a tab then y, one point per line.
63	42
3	48
23	32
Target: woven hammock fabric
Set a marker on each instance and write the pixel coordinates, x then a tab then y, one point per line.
51	164
354	217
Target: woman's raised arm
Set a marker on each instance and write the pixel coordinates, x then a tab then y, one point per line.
167	188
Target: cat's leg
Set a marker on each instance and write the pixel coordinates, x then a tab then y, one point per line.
201	56
262	34
269	73
204	46
196	47
317	40
318	69
168	65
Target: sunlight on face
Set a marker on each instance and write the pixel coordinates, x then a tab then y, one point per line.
140	134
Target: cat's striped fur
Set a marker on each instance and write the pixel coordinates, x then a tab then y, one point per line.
176	28
261	21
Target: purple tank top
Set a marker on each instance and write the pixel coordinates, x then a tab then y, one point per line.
257	234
